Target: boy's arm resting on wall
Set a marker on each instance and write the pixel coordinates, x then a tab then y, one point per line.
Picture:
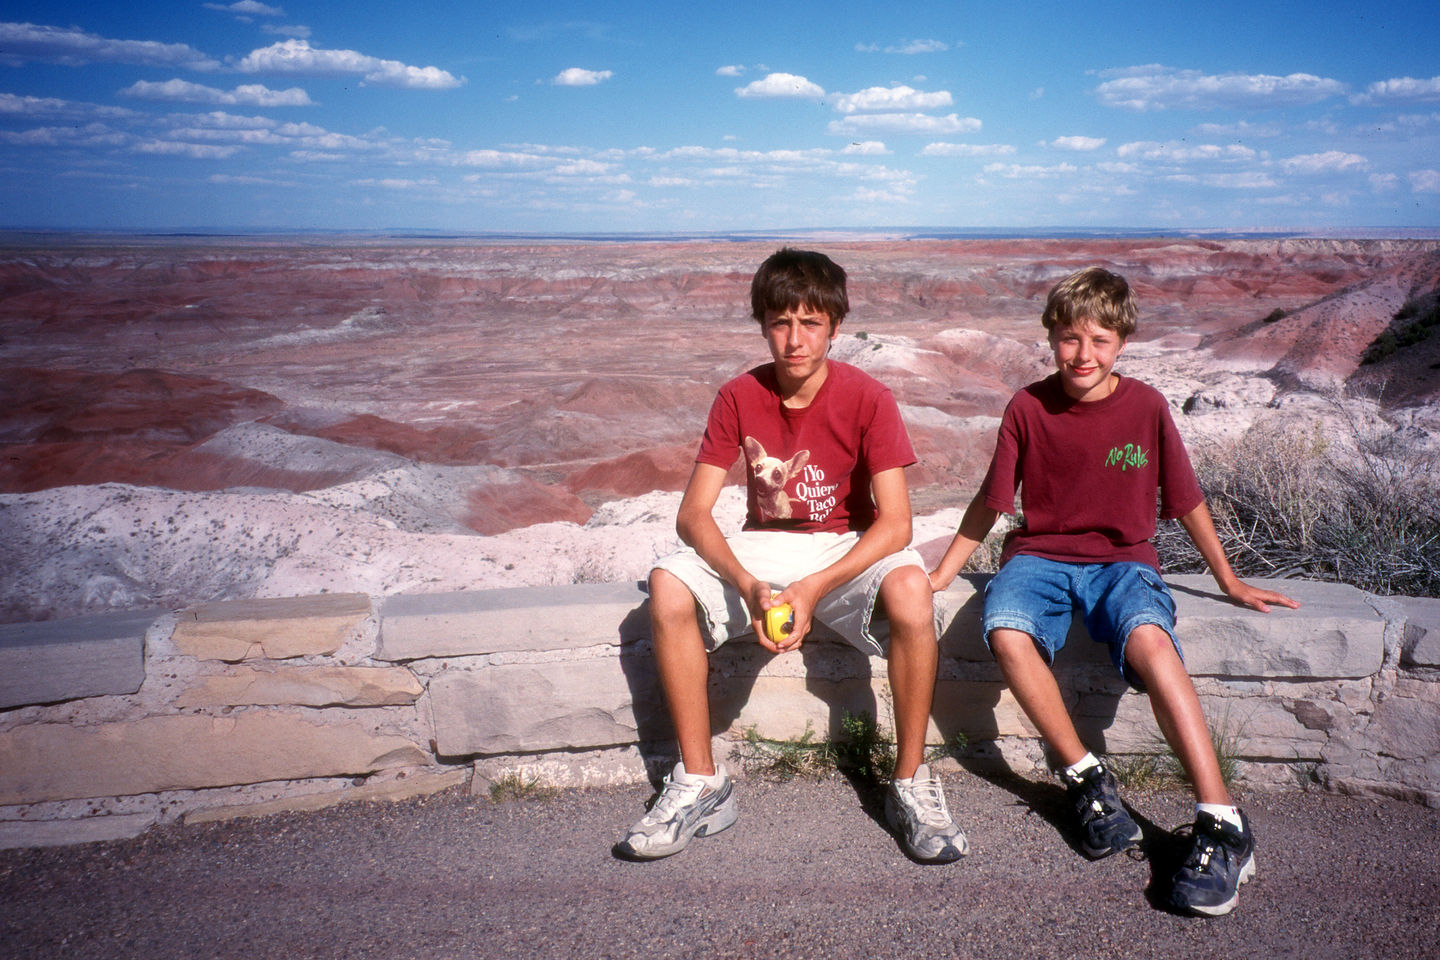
1201	530
974	527
889	534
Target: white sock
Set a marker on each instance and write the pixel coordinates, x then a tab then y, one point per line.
1080	766
1230	815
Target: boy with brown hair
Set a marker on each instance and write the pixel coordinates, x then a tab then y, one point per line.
827	526
1090	450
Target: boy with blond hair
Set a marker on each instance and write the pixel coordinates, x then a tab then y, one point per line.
1089	450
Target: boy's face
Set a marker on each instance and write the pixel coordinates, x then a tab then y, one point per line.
799	341
1085	353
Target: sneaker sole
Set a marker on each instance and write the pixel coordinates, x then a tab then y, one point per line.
1100	853
1247	873
951	853
722	818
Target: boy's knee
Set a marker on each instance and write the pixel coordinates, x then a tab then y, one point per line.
908	599
669	597
1008	645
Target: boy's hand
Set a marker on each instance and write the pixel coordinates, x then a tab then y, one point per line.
802	597
1257	598
939	581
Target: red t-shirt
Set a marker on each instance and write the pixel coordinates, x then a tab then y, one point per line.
1088	473
808	469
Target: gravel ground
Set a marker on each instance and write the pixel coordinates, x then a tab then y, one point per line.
807	872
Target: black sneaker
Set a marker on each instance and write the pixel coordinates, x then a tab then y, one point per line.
1105	826
1222	857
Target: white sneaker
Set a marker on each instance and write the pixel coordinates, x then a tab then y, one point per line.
688	806
917	811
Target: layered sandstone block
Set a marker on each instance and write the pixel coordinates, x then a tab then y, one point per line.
57	660
270	629
54	761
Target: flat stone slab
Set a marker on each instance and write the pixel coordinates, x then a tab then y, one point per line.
15	834
304	687
524	708
1422	631
1334	634
56	761
57	660
279	629
390	791
470	623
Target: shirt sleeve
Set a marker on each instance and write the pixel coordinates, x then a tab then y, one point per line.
1179	490
1003	478
886	441
720	444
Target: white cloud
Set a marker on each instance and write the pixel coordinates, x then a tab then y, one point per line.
776	85
1156	87
1327	162
732	70
903	123
71	46
941	149
1425	181
297	56
579	77
247	8
286	30
1174	152
503	160
249	94
248	180
1249	180
1401	90
1078	143
1015	171
867	148
1242	128
15	105
892	99
194	151
1380	182
888	197
908	47
392	183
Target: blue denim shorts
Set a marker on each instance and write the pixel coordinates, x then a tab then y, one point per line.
1039	597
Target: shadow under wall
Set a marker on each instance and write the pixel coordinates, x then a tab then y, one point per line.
968	702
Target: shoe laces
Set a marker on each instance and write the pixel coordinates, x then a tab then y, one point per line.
928	801
1202	850
674	795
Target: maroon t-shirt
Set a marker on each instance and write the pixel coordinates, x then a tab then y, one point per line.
807	469
1088	473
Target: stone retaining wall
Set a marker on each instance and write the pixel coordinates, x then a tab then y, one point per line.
111	724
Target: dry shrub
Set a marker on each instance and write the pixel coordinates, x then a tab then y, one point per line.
1359	508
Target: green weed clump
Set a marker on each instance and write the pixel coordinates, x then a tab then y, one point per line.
1161	769
863	751
1360	509
514	786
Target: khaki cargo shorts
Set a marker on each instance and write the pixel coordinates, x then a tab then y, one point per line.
780	558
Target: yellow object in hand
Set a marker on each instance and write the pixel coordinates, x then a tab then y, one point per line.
779	621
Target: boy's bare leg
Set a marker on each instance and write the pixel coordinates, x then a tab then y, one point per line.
913	660
1033	685
684	667
1177	709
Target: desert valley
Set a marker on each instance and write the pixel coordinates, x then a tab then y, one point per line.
216	418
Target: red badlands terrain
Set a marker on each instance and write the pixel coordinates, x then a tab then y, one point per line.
192	420
585	370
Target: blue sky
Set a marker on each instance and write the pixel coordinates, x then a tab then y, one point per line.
583	117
